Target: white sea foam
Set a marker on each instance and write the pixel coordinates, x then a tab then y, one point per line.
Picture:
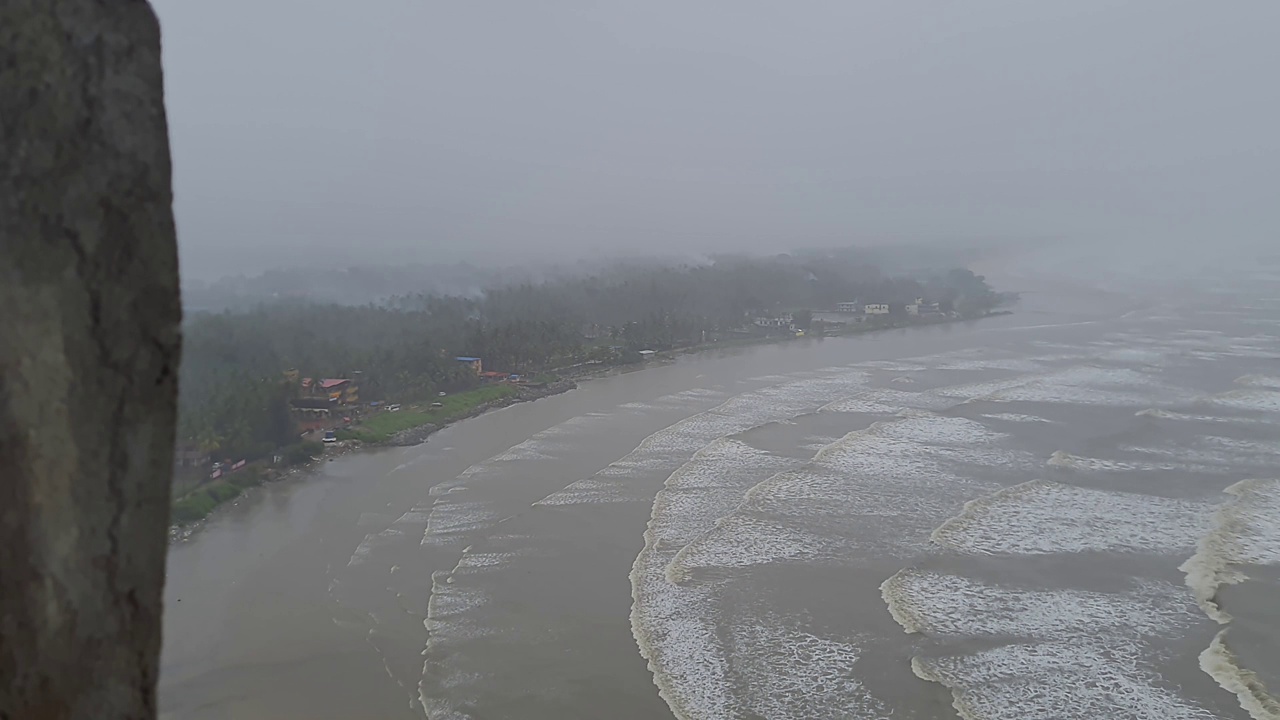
588	491
1259	381
1252	400
886	401
814	444
1210	454
1188	417
898	366
454	514
949	605
1080	385
929	429
1088	652
1245	531
1040	517
1092	677
695	492
756	541
672	623
1016	417
449	600
1144	356
1066	461
670	447
411	523
451	520
474	563
707	487
888	484
974	391
1022	365
791	673
1224	667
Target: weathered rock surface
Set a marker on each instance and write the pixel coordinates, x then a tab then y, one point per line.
89	351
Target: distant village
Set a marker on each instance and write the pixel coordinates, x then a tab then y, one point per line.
318	407
847	315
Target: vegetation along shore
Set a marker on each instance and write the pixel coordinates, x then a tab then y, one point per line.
269	389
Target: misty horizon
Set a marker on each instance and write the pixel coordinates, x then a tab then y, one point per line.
331	134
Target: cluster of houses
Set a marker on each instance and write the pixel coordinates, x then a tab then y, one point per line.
919	307
785	321
322	401
851	312
476	365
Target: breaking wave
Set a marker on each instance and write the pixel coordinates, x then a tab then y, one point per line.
1221	664
1245	531
890	477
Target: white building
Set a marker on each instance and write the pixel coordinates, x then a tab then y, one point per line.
848	307
876	309
771	322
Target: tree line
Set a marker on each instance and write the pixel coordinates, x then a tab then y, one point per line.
234	398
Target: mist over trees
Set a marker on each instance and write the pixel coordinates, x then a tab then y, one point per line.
234	398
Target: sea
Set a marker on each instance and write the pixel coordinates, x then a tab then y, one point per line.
1071	512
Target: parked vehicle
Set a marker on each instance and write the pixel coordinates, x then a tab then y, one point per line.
437	404
393	408
330	437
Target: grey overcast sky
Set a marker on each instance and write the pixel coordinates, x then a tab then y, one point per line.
331	132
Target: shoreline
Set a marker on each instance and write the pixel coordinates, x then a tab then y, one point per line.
181	531
567	380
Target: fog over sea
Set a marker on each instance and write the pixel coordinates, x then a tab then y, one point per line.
1069	512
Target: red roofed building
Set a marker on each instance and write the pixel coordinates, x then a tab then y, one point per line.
344	391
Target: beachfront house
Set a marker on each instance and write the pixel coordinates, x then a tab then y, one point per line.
920	307
472	362
781	321
876	309
311	413
848	307
342	391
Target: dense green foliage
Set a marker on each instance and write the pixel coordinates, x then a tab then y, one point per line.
302	452
235	402
201	502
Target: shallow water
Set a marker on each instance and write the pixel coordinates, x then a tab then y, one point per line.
1071	512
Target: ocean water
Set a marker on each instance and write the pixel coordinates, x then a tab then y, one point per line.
1069	513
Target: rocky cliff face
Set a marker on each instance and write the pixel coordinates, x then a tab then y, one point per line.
89	350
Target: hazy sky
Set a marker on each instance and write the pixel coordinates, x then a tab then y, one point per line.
338	132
